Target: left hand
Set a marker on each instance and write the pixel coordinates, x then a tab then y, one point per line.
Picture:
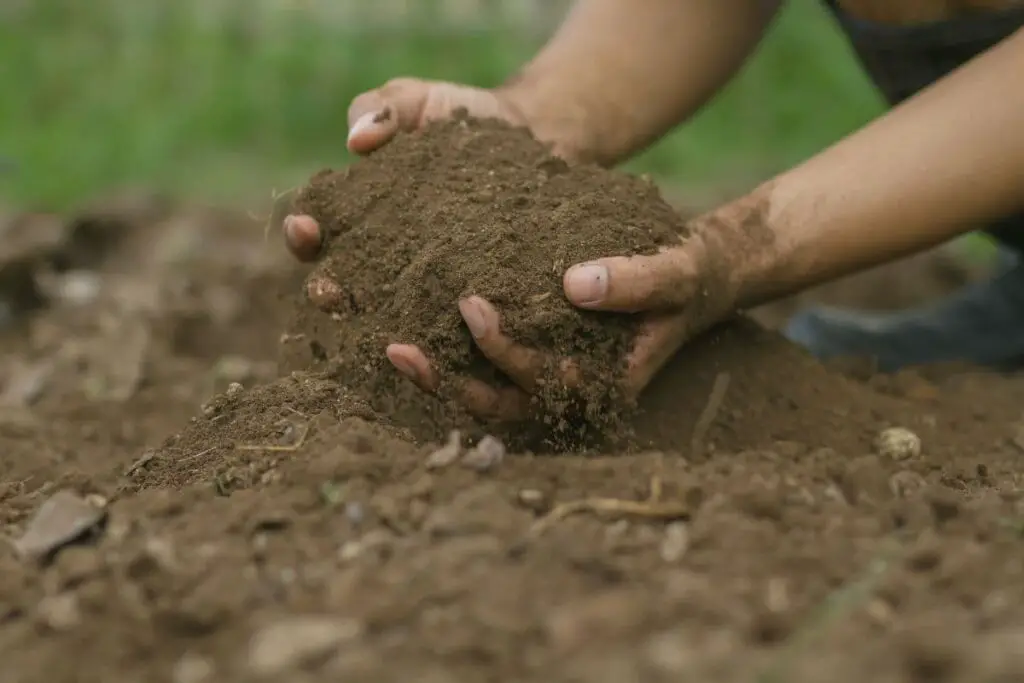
670	290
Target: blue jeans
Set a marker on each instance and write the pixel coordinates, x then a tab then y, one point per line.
983	323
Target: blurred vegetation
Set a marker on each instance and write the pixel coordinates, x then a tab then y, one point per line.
229	97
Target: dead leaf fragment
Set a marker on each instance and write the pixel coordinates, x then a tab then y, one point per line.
62	520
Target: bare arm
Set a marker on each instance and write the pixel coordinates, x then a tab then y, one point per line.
620	73
947	161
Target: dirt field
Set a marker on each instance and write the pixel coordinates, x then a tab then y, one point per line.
230	525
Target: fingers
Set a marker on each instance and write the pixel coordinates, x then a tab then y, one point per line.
656	343
302	236
505	404
412	363
526	367
632	284
374	117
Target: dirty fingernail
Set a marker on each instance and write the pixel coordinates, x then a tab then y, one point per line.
587	284
362	124
474	317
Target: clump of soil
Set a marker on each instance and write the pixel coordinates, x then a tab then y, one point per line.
468	207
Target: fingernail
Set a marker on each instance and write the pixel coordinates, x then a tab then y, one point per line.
404	367
289	226
474	317
587	284
362	124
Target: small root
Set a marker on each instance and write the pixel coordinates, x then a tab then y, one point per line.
268	220
652	508
275	447
709	414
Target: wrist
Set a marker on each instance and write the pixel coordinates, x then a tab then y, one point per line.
533	101
738	252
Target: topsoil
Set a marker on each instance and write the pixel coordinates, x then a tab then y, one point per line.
210	516
464	208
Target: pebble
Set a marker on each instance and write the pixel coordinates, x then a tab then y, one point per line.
486	455
532	499
299	641
60	612
63	519
192	668
447	454
898	443
675	543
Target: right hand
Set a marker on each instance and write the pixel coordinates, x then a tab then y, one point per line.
403	104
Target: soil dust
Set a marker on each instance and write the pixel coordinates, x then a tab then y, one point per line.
213	516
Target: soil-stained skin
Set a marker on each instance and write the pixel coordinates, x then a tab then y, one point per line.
290	529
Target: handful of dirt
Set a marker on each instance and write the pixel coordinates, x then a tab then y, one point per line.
471	207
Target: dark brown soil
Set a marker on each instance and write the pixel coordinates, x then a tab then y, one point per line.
477	208
284	529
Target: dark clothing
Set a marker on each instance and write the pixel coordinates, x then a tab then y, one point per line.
901	60
982	323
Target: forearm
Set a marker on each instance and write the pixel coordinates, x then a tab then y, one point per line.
619	74
948	161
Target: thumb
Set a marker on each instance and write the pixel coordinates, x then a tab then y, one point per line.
375	116
633	284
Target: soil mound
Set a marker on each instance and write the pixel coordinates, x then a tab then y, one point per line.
476	207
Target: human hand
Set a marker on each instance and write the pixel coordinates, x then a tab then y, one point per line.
403	104
676	292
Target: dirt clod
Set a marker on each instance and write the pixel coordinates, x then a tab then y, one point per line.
299	641
898	443
63	519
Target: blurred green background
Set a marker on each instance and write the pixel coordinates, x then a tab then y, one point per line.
226	99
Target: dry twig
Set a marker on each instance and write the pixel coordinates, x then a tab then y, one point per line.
710	412
651	508
275	447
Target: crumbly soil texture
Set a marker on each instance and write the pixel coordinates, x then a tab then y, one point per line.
469	207
176	507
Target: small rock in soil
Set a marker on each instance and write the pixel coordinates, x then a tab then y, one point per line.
898	443
63	519
192	669
299	641
675	542
59	612
486	455
532	499
447	454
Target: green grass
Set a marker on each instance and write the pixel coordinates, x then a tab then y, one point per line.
114	92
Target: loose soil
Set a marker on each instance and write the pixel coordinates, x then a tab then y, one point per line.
476	208
263	524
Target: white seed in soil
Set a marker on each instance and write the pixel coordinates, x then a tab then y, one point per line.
447	454
898	443
487	454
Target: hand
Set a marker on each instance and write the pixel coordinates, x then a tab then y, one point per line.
662	288
403	104
670	290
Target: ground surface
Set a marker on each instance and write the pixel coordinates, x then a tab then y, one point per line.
272	533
